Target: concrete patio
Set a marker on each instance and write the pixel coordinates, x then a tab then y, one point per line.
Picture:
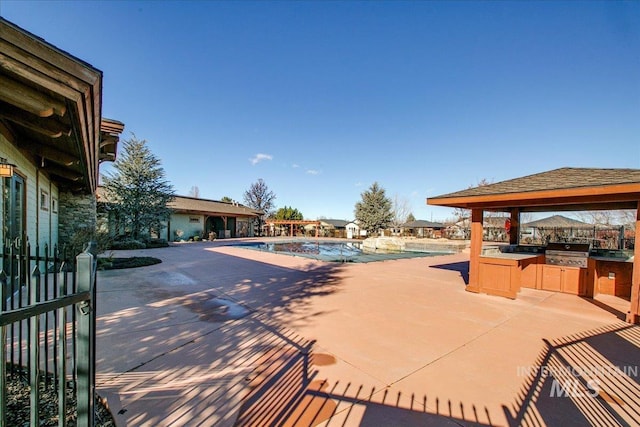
220	335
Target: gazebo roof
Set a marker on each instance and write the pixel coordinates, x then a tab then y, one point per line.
559	189
420	223
558	221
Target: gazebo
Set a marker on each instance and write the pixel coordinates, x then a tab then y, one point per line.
564	189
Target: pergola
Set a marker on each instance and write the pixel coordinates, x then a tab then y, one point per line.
565	189
292	222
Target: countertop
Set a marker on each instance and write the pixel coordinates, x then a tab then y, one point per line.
611	258
511	255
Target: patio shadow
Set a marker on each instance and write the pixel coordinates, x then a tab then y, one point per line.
461	267
591	378
286	394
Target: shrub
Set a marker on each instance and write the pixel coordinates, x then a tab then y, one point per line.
119	263
128	244
82	236
156	243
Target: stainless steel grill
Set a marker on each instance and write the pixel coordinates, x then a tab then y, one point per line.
568	254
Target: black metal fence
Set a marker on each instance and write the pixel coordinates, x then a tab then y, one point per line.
597	237
47	321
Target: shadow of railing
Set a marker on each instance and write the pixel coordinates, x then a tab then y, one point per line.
284	391
590	378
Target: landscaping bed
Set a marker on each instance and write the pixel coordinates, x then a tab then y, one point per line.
130	262
18	405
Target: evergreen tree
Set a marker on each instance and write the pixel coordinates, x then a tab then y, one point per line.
137	190
289	213
410	218
374	210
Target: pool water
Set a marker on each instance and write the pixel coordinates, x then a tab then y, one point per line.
334	251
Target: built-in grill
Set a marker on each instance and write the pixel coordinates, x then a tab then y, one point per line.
568	254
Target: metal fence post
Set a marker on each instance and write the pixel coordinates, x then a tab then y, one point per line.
85	356
62	351
34	350
3	352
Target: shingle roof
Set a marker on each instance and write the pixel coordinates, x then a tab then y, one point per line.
337	223
203	206
558	179
423	224
557	221
191	204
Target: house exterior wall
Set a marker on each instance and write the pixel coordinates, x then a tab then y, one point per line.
41	222
77	213
186	223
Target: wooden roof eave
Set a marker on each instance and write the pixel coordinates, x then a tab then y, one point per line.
50	70
620	196
213	213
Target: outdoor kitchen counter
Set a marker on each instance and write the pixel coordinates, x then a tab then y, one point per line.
611	275
504	273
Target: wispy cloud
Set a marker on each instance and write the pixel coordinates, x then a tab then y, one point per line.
414	193
260	157
313	171
359	184
295	165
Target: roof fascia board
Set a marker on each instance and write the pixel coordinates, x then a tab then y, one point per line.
613	193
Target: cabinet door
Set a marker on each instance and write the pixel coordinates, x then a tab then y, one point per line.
552	278
572	280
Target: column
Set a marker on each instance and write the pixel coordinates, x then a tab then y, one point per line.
475	250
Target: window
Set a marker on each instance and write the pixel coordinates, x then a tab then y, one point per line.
13	207
44	200
54	205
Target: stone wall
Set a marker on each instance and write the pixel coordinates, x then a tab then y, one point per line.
77	213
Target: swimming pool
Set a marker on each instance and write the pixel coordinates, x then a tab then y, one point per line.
334	251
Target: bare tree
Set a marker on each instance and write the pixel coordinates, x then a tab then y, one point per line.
525	217
628	219
401	209
597	217
259	197
460	213
194	192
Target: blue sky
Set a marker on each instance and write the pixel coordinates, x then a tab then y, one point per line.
321	99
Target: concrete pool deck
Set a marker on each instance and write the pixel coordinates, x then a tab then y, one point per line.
388	343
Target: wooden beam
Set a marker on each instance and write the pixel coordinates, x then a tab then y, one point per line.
48	78
112	127
51	153
64	173
46	126
514	232
634	310
29	99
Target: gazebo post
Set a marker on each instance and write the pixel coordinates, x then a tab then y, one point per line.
475	250
634	311
514	232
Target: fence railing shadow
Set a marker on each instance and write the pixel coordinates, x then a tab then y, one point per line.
590	378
